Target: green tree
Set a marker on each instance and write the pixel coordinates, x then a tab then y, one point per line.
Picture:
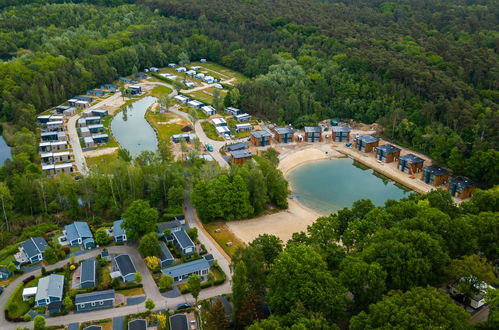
39	323
137	277
165	102
215	318
68	303
194	285
270	245
6	205
50	255
101	237
217	99
139	219
470	272
165	282
11	267
183	59
149	304
124	154
193	233
428	308
149	245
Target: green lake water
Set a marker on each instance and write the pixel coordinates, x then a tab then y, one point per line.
329	185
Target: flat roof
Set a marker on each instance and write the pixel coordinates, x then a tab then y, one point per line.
261	134
284	130
218	120
65	165
462	182
388	148
222	129
237	146
94	296
436	170
368	138
30	291
313	129
411	158
245	153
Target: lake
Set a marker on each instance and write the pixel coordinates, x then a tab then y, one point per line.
329	185
4	151
131	129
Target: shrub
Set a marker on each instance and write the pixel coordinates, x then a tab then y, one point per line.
26	318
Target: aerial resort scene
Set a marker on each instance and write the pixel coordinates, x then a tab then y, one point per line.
260	165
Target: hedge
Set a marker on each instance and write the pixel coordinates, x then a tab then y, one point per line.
174	83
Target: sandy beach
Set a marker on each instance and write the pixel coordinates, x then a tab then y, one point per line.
290	159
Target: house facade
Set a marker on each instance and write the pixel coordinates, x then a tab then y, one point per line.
50	289
283	134
340	134
87	302
410	164
435	175
261	138
78	233
33	249
366	143
313	134
126	268
183	242
387	153
461	187
182	272
239	157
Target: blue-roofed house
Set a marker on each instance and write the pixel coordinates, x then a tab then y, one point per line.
119	232
178	322
111	87
165	257
96	92
366	143
50	289
182	272
88	273
183	242
87	302
123	263
4	273
340	133
78	233
410	164
33	249
139	324
237	146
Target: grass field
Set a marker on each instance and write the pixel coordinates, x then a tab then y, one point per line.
223	237
103	160
159	91
210	131
132	292
206	95
164	131
219	71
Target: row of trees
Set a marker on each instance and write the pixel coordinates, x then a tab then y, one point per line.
390	261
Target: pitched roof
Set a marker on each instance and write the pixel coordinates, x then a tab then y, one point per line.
284	130
88	271
125	264
313	129
178	322
183	239
34	246
367	138
78	229
50	286
237	146
411	158
94	296
162	226
261	134
139	324
436	170
165	253
388	148
186	268
117	229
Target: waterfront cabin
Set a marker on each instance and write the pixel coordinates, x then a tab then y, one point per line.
96	92
119	232
232	111
88	273
100	138
172	65
387	153
461	187
32	250
182	272
94	120
239	157
165	257
99	113
340	134
366	143
410	164
88	142
260	138
79	233
182	99
195	104
96	128
244	117
435	175
313	134
134	90
209	110
284	134
87	302
124	265
218	122
183	242
246	127
110	87
50	289
80	104
53	146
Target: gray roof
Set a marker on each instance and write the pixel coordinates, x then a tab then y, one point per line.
94	296
411	158
34	246
50	286
261	134
178	322
125	264
284	130
117	229
436	170
186	268
462	182
183	239
139	324
313	129
165	253
340	129
388	148
368	138
162	226
88	271
241	153
78	229
237	146
93	327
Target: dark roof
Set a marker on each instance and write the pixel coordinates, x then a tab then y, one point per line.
94	296
55	305
261	134
34	246
186	128
178	322
125	264
180	217
436	170
388	148
162	226
93	327
139	324
241	153
368	138
462	182
237	146
88	271
104	253
284	130
165	253
411	158
208	257
313	129
4	270
183	239
340	129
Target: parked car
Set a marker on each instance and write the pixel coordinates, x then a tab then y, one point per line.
183	306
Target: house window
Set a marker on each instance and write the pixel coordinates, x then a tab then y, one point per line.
93	303
82	305
101	302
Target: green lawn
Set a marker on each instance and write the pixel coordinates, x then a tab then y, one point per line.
206	95
103	160
224	236
210	131
164	131
160	91
16	306
132	292
217	273
219	71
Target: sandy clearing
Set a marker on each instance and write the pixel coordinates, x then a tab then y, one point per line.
282	224
100	152
294	158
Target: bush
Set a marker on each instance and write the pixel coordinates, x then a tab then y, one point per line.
26	318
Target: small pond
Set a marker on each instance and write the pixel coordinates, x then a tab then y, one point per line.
131	129
4	151
329	185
